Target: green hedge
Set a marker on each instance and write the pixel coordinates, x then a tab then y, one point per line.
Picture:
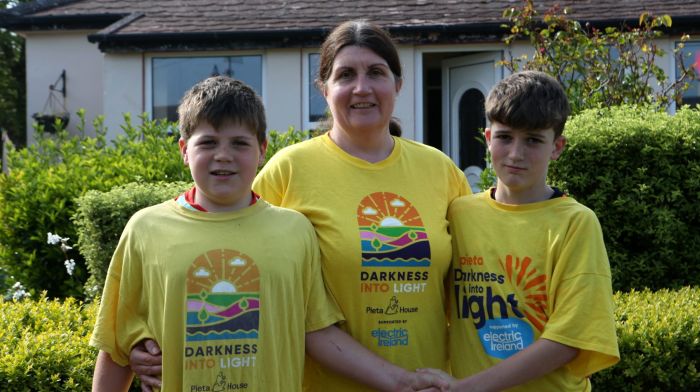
44	344
101	217
37	195
659	338
639	170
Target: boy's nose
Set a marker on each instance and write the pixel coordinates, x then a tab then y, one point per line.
223	154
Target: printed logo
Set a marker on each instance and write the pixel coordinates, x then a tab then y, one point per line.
393	307
391	232
534	286
223	297
502	338
501	316
391	337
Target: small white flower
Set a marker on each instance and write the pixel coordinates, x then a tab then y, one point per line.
65	247
53	239
70	266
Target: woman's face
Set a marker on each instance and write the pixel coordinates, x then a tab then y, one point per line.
361	91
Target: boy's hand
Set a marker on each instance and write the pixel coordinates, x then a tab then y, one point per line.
423	381
445	381
146	361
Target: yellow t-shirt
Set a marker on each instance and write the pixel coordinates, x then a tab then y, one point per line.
228	296
525	272
385	249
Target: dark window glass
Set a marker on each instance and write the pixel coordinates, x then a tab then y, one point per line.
172	76
691	56
317	104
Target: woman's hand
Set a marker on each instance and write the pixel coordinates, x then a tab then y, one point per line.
146	361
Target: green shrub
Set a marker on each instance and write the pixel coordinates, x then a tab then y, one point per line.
44	345
101	217
37	195
659	338
639	170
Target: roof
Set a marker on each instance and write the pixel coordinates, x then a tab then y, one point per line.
128	25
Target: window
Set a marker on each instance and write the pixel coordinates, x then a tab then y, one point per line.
172	76
691	57
316	102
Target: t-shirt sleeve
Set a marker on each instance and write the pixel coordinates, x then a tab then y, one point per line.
583	309
321	308
121	322
271	181
459	184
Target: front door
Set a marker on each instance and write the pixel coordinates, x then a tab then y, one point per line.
466	81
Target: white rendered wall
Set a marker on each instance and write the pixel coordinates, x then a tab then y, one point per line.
123	90
282	88
48	54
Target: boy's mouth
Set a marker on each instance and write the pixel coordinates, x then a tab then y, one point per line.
222	172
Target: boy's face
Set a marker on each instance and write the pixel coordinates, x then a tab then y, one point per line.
521	159
223	164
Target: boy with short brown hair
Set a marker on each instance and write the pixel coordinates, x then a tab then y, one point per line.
531	286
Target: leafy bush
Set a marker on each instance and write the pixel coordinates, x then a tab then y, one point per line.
639	170
101	217
279	140
659	338
37	195
44	345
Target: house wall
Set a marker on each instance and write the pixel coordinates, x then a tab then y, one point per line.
49	53
282	88
123	90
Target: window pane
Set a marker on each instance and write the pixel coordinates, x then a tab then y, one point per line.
691	56
172	76
317	104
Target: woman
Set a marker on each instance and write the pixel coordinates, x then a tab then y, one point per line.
378	203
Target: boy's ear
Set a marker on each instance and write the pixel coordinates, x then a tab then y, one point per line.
487	135
183	150
559	144
263	150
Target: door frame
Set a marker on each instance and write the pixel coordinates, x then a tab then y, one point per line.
450	110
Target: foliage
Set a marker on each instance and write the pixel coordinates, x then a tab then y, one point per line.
101	217
659	338
639	170
277	141
12	81
37	195
44	345
598	67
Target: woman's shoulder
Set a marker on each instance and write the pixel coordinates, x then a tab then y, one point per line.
424	150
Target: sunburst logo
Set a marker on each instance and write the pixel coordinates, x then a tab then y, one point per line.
223	299
533	285
391	232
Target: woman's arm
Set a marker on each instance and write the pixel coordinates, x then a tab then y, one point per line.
338	351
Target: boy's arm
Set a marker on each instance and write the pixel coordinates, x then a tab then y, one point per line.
338	351
109	376
542	357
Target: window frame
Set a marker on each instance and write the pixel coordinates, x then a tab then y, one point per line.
148	88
